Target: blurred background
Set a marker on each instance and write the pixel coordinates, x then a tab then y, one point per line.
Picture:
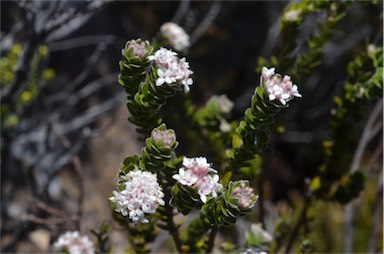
64	121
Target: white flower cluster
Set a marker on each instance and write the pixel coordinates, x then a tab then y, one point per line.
74	243
197	173
171	69
142	195
175	35
278	89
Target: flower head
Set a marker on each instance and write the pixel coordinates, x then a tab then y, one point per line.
74	243
142	195
170	69
175	35
292	15
139	48
163	137
197	173
244	194
278	88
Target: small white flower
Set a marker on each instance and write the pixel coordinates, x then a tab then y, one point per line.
279	89
256	229
225	126
292	15
267	73
142	195
209	186
74	243
175	35
197	173
185	177
171	70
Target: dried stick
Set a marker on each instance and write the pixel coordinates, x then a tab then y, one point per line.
207	21
350	209
181	11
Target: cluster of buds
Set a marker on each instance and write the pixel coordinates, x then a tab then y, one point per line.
281	89
74	243
170	69
163	137
138	48
175	36
236	200
140	195
198	174
160	147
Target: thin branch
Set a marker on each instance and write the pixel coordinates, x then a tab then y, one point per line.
351	209
43	206
90	115
366	136
211	239
49	221
91	87
81	42
207	21
181	11
87	69
377	217
300	221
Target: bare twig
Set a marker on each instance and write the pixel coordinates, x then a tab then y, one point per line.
211	239
351	209
81	42
181	11
87	69
367	136
377	217
207	21
90	115
49	221
43	206
300	221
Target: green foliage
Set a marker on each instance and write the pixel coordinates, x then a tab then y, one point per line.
364	84
133	67
252	134
245	141
102	237
38	77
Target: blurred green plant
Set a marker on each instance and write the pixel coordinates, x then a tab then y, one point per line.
39	77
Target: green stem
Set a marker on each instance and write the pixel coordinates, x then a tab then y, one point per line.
211	239
300	221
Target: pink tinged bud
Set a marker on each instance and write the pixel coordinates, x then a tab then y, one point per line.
245	195
139	47
164	138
